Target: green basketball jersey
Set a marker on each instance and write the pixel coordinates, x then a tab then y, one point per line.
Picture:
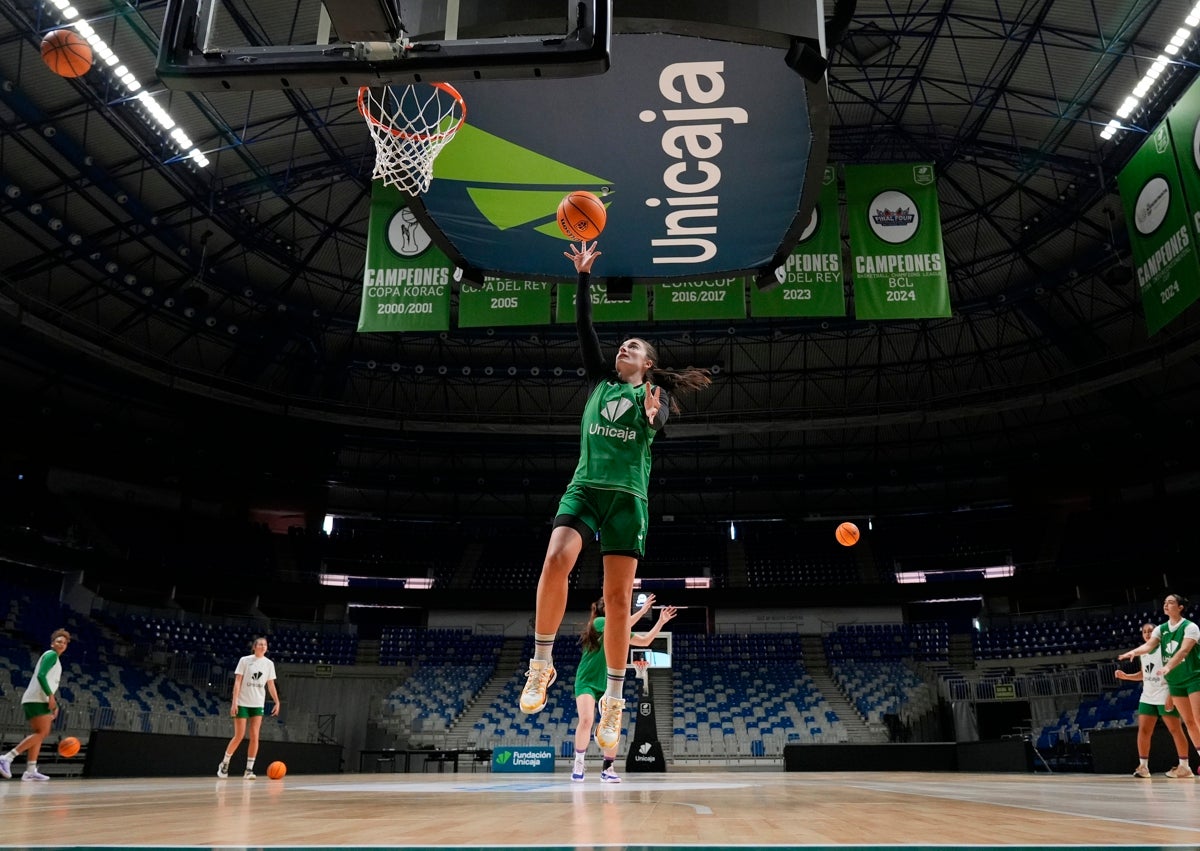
1171	639
592	673
614	444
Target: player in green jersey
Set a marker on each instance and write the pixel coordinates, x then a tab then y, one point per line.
607	495
41	708
1178	638
591	680
1155	702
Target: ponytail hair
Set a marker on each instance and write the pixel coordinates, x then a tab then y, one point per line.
590	638
676	382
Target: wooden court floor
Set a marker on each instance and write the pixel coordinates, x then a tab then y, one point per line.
694	809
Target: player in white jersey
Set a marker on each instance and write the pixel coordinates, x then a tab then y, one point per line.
254	677
41	708
1156	702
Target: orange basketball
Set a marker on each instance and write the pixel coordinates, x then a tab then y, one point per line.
847	534
276	770
67	53
68	747
581	215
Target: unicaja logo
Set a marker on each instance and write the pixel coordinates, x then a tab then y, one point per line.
503	757
645	748
615	409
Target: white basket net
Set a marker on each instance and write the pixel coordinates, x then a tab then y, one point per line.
410	125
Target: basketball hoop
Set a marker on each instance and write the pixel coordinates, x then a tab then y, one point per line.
410	126
640	667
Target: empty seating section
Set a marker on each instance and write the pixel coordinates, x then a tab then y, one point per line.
226	644
866	662
783	556
741	696
1059	636
510	559
450	666
682	553
883	688
400	645
1116	708
920	641
435	695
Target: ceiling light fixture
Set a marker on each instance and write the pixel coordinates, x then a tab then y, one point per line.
1172	48
155	114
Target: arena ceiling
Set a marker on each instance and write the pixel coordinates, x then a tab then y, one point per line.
137	290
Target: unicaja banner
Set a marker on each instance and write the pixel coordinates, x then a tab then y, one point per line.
813	280
406	281
898	263
1160	236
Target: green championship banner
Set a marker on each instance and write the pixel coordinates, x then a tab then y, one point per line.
1184	123
406	282
813	281
721	299
637	309
1160	234
898	263
504	302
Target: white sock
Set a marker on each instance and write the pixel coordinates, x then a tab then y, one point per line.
11	755
250	763
543	647
616	684
228	757
31	767
1144	762
1183	763
580	757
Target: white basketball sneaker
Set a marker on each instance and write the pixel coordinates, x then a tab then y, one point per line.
608	734
538	679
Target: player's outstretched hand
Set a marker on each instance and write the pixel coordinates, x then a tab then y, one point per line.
653	401
666	613
583	256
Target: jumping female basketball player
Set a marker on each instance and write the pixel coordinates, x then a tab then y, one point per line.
1181	668
40	707
591	681
607	495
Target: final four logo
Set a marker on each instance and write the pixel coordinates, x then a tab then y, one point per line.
893	216
1153	203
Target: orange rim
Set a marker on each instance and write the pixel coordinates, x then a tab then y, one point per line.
365	111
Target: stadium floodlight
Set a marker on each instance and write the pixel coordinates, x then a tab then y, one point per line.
155	116
1172	48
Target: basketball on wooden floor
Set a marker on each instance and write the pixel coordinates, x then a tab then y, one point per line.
276	770
581	215
67	53
68	747
847	534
